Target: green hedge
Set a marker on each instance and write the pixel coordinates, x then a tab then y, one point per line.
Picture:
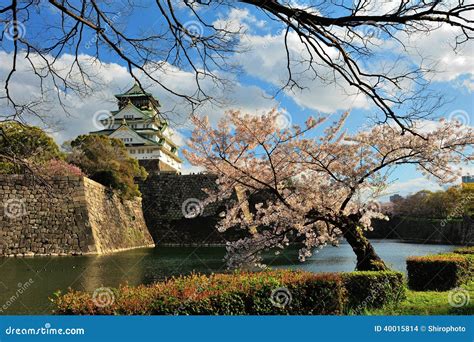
281	292
373	289
464	250
439	272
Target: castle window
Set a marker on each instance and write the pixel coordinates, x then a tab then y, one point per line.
128	116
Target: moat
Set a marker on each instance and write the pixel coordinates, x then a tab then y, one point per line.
46	275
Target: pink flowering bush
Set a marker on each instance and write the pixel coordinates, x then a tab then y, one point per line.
58	168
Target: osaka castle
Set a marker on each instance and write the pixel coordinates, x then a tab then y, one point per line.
139	124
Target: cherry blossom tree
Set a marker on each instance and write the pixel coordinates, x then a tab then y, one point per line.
319	185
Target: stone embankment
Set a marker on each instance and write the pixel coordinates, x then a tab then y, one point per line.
67	216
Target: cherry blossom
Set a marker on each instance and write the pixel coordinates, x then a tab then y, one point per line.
314	188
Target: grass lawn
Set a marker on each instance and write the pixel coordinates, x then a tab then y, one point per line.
431	303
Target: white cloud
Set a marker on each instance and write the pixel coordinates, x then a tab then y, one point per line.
189	169
416	184
112	79
432	45
464	170
377	7
238	19
436	48
412	186
265	58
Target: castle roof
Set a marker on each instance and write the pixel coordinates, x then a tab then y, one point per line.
141	112
146	141
133	91
136	91
136	131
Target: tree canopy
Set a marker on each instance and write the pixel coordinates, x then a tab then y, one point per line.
454	202
106	161
23	146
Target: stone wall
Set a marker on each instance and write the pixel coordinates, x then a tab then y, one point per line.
153	166
172	206
66	216
167	198
421	230
116	224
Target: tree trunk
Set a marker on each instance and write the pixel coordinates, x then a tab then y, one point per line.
367	258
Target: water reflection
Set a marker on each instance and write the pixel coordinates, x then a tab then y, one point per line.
145	266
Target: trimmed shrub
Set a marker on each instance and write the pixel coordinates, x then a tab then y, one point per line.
370	289
439	272
263	293
470	267
279	292
464	250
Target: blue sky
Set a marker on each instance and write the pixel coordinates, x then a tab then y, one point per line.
262	71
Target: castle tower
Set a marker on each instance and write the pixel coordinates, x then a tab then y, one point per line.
138	123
